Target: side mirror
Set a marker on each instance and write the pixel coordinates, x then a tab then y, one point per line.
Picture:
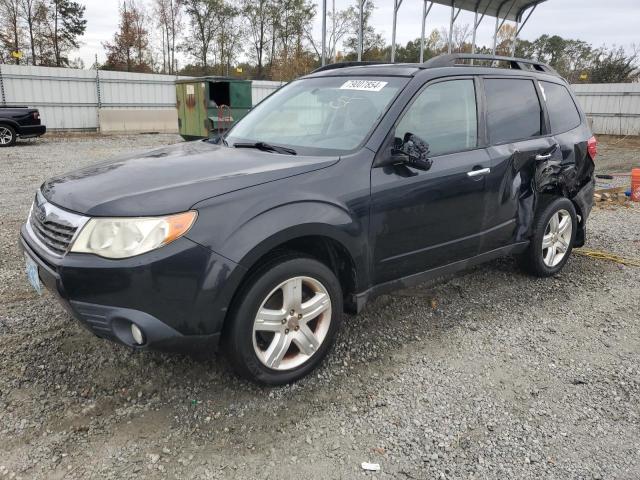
410	161
411	151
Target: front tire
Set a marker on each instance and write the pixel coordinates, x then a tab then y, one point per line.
284	320
554	233
7	136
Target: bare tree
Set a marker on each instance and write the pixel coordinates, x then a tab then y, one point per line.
459	39
258	19
169	18
342	23
204	28
29	9
229	35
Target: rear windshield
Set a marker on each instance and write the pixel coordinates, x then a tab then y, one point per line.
317	116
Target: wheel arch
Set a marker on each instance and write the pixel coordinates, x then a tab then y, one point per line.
322	242
582	203
11	123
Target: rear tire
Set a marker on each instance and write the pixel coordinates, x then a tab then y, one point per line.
284	320
554	233
8	136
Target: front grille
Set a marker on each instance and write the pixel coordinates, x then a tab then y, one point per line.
53	227
54	235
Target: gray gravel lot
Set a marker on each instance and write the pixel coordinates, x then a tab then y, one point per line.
488	374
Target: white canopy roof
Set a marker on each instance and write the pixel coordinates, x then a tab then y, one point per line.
509	9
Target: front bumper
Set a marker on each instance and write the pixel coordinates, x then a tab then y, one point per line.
27	131
178	294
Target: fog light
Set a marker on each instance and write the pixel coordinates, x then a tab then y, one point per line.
138	337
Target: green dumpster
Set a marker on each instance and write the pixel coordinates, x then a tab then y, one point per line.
210	105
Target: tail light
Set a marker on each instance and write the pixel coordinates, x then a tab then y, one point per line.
36	115
592	148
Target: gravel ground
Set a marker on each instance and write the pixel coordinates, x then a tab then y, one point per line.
488	374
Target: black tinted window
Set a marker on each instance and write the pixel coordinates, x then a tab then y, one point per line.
563	113
444	115
514	111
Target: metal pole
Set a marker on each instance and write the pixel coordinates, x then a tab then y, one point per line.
453	7
424	20
333	29
361	5
476	24
475	28
515	40
396	7
99	99
526	20
495	34
2	94
323	51
425	14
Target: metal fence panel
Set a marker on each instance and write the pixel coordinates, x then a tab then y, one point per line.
139	90
261	89
66	98
614	108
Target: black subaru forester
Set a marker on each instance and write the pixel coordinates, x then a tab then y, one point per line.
346	183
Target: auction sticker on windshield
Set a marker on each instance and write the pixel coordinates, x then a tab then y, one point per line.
365	85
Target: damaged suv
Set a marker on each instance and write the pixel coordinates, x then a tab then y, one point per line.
349	182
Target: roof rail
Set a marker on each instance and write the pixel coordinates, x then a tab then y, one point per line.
452	60
333	66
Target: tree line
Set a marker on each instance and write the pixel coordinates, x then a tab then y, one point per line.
41	32
263	39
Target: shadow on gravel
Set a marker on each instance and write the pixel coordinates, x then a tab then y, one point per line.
71	361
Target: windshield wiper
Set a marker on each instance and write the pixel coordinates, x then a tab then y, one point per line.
266	147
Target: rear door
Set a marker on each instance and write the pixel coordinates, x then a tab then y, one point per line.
518	134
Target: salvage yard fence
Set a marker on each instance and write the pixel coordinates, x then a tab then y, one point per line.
612	108
71	99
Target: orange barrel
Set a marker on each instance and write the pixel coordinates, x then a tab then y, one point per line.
635	184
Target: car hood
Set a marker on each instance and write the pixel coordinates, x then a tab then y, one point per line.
171	179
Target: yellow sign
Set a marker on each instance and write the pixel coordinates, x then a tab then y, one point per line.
239	69
16	54
584	76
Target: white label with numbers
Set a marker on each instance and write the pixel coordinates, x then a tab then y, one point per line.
365	85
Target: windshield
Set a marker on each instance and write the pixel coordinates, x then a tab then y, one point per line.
317	116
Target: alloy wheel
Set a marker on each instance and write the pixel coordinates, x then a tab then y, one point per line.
292	323
6	136
557	238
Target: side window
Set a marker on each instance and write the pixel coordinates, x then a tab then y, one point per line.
444	115
563	114
513	110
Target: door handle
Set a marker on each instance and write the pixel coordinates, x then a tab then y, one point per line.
543	157
476	173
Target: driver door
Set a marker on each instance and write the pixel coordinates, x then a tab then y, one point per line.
425	219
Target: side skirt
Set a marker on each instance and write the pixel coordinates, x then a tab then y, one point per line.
360	299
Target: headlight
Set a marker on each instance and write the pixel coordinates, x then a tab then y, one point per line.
127	237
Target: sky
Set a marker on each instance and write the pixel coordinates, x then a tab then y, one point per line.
595	21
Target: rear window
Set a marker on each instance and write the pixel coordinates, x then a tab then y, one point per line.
514	111
563	114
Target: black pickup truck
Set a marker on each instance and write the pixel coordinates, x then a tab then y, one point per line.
23	122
